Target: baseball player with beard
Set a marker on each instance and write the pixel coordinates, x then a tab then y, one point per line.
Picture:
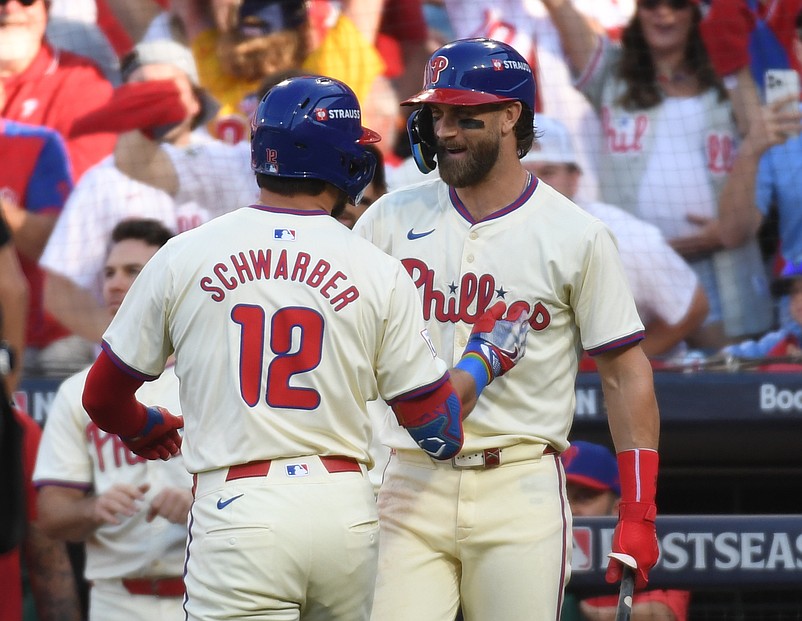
284	323
490	529
131	513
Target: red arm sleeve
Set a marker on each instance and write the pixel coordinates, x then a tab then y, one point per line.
109	398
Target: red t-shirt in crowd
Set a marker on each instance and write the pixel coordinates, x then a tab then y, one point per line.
53	91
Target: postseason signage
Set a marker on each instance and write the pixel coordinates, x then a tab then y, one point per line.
747	551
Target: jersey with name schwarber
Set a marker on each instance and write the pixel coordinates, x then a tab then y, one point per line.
278	319
542	250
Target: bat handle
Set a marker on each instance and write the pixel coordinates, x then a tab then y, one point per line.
623	611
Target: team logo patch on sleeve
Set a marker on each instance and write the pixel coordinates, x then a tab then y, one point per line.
284	234
297	470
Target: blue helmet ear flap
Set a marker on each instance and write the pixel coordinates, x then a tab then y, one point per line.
421	139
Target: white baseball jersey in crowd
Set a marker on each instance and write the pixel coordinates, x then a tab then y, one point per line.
284	323
662	282
525	25
491	528
77	247
75	453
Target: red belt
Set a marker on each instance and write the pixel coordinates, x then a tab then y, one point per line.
333	463
160	587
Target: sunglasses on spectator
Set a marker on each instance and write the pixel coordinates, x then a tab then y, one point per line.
22	2
677	5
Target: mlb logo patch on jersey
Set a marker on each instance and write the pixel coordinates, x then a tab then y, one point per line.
297	470
284	234
582	558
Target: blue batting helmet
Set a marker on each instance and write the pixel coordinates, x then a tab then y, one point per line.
469	72
466	72
311	127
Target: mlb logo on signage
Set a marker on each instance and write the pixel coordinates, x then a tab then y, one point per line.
582	559
297	470
284	234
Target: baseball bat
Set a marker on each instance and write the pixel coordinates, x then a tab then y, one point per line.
624	609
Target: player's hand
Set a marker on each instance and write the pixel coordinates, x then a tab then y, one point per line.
119	500
172	503
634	542
159	438
499	342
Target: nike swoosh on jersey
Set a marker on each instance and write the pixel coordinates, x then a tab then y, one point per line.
222	504
413	235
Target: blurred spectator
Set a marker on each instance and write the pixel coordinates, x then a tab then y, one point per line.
669	154
593	487
786	342
41	85
131	513
75	252
745	38
47	564
670	300
34	185
778	189
13	309
526	25
237	44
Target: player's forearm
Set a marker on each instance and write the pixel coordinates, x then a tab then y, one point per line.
51	578
67	514
628	389
75	307
109	398
739	217
465	386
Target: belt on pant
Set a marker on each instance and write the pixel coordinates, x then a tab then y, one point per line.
160	587
481	460
494	457
332	463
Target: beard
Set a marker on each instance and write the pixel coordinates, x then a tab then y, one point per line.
340	204
471	170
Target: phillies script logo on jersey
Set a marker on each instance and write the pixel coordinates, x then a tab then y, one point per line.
719	152
473	291
114	449
624	134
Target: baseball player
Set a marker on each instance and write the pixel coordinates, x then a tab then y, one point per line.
131	513
284	323
491	528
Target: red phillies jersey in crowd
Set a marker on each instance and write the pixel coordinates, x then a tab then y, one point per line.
37	177
56	88
10	574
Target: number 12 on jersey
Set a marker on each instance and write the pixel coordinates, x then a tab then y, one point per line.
307	326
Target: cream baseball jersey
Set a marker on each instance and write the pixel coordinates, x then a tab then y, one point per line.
75	453
284	323
542	251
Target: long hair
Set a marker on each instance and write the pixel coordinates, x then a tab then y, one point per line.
637	68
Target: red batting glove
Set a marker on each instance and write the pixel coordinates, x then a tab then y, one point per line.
152	107
635	538
159	438
500	342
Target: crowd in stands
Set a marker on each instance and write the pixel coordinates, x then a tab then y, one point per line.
652	115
